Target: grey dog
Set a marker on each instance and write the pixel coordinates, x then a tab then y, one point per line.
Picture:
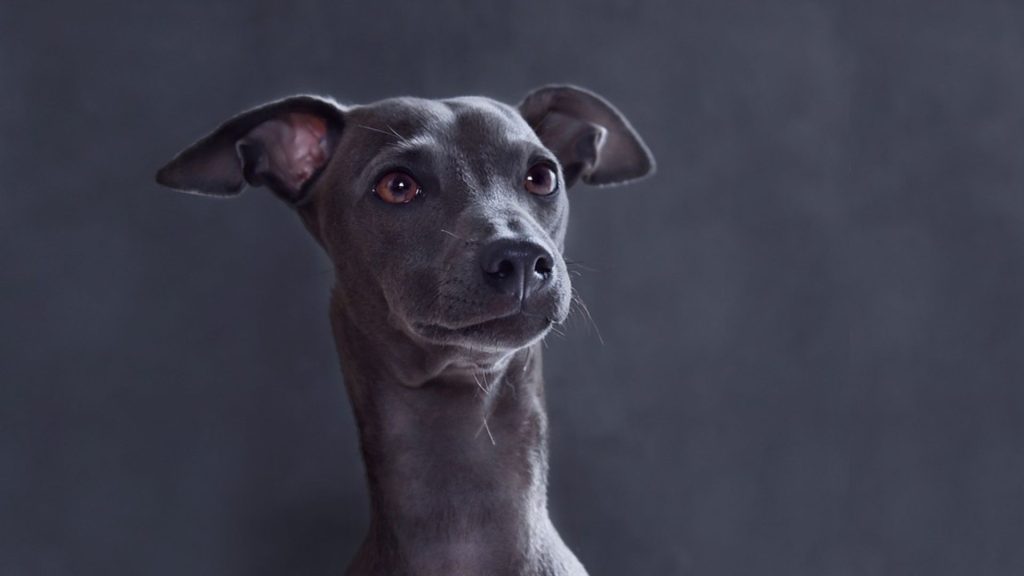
445	221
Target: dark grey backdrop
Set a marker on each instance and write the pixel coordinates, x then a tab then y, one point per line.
812	316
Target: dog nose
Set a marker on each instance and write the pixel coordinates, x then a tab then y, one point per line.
516	267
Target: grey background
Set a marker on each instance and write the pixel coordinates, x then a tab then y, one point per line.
812	316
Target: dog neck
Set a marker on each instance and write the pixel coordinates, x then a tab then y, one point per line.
456	460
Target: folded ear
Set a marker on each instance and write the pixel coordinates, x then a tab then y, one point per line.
282	145
592	140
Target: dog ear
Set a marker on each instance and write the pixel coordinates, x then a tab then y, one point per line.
282	145
592	140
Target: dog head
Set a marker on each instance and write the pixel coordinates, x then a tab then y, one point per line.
450	215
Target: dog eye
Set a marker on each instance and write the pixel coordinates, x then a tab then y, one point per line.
541	180
397	188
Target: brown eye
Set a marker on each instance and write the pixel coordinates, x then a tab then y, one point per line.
397	188
541	180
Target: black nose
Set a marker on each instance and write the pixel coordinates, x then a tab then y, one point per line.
516	267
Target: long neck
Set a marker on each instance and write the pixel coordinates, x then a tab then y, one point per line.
456	463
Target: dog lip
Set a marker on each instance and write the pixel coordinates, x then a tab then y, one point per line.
481	323
440	329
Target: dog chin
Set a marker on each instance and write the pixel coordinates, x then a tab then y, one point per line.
493	335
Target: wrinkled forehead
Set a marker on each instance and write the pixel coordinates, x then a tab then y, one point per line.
453	126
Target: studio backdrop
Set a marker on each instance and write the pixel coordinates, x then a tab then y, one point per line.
805	353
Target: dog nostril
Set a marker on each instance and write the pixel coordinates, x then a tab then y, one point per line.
543	266
505	269
516	267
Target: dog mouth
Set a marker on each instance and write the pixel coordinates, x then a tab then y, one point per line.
507	331
475	315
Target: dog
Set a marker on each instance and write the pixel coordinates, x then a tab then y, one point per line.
445	221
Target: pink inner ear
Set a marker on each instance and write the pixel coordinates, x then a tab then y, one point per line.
307	149
295	146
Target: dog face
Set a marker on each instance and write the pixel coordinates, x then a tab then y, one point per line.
449	215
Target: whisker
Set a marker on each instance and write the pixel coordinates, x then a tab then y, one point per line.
578	264
457	237
485	387
393	131
586	310
377	130
488	429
